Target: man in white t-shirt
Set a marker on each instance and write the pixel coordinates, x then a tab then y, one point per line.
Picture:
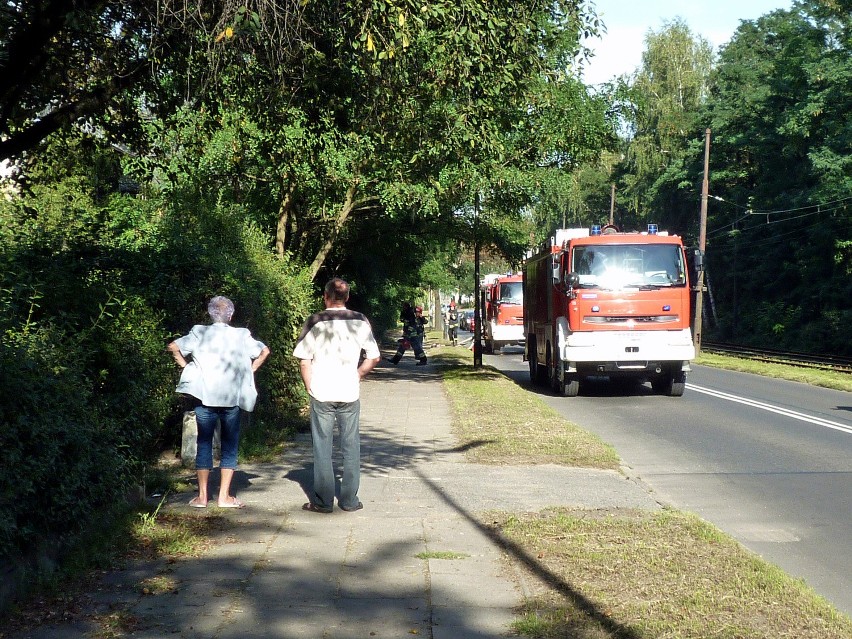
329	352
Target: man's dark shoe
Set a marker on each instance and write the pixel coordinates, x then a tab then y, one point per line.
359	506
422	362
316	509
393	360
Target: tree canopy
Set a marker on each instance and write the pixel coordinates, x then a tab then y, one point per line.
782	176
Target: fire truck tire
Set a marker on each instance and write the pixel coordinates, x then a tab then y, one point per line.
551	373
671	383
554	379
564	384
678	384
537	374
570	386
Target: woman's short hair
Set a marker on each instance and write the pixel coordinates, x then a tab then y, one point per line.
220	309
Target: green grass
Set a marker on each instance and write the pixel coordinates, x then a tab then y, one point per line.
657	574
497	422
826	379
264	442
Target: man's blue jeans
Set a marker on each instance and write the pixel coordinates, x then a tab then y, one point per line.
205	419
346	415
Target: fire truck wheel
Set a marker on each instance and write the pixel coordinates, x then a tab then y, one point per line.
537	374
570	387
671	383
551	372
564	384
678	384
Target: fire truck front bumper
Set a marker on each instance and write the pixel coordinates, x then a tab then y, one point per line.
507	333
610	351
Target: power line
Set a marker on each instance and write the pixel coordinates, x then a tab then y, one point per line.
765	241
832	205
815	209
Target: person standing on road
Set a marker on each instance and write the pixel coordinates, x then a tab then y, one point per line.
452	322
413	332
329	352
218	362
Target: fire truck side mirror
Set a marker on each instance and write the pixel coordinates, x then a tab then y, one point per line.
698	260
571	280
556	269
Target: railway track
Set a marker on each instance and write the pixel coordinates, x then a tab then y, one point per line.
803	360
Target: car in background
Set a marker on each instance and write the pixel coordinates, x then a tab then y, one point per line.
467	320
463	319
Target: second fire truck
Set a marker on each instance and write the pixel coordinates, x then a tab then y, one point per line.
504	311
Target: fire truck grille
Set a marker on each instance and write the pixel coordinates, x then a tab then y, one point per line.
630	319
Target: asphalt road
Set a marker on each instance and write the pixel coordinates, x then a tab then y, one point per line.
767	461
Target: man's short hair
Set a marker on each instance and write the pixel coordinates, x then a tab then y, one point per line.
337	290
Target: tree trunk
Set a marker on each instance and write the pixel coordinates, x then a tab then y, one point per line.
283	221
342	216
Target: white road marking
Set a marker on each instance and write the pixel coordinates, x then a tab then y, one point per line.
819	421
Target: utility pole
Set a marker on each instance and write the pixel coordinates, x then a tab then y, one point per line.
477	345
612	206
702	241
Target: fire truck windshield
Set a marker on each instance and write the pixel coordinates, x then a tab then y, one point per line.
617	266
512	292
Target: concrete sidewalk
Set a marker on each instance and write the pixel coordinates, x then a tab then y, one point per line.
285	573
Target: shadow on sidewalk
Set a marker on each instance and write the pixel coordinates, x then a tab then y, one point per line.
577	599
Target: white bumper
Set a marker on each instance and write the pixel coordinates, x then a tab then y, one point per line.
506	332
627	346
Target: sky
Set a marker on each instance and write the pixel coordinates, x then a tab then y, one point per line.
627	21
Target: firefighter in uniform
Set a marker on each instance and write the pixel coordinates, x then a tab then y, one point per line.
452	322
413	331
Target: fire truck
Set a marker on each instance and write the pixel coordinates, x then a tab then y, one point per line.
603	303
504	311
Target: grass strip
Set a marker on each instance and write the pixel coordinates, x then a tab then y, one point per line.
497	422
654	574
814	377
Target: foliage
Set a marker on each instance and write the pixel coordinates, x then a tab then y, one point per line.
780	165
657	183
91	290
56	451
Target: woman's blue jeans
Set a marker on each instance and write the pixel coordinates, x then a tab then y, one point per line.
346	415
205	419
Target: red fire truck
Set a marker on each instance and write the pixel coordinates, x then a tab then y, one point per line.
504	311
602	303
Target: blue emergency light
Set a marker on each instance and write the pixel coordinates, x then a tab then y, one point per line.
652	229
596	229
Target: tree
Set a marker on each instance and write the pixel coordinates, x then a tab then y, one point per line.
398	114
92	62
781	166
667	93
